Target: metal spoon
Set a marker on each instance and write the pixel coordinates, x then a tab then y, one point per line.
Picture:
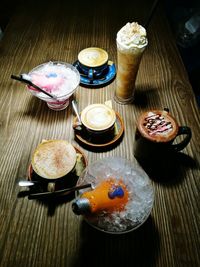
75	108
27	183
59	192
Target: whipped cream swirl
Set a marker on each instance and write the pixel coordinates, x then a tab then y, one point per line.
131	36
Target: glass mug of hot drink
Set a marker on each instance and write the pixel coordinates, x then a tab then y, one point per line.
156	136
97	121
131	43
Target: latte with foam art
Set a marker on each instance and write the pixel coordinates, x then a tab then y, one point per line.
93	57
98	117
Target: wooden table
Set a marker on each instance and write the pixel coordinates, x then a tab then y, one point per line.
35	234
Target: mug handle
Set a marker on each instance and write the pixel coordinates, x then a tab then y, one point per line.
183	130
51	187
91	74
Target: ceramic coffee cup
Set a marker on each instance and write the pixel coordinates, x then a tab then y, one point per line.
51	162
93	62
156	136
97	121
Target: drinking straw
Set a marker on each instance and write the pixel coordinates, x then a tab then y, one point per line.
21	79
151	13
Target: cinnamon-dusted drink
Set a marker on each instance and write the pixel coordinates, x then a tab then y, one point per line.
51	162
131	43
53	159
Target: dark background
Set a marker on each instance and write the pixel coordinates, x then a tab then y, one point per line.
181	13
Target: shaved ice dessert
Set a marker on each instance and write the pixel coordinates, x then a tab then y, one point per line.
132	200
57	78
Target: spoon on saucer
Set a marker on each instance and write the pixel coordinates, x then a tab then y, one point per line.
26	183
59	192
75	108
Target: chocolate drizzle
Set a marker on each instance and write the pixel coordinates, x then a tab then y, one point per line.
157	124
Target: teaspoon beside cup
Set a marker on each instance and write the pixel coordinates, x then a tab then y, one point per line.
78	125
26	183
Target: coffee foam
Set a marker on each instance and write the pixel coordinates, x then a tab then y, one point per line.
158	126
58	79
132	37
53	159
98	117
93	57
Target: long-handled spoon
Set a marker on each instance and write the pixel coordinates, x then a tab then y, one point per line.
59	192
75	108
25	78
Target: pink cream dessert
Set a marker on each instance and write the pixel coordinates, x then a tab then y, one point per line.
57	78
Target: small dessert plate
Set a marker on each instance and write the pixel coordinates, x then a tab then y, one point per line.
105	78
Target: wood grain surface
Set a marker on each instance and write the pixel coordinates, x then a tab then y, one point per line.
35	233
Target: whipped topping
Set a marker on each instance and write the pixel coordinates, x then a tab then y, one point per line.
131	36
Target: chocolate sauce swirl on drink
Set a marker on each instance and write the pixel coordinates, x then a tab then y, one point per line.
158	126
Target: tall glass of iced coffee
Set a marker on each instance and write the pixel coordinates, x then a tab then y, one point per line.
131	43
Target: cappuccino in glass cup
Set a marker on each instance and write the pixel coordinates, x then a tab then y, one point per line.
131	43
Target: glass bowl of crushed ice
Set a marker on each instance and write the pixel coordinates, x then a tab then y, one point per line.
120	198
58	79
